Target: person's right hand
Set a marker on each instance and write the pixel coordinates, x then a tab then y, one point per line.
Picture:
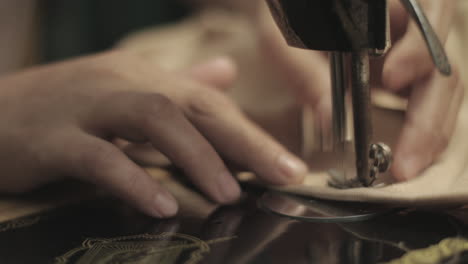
58	120
434	100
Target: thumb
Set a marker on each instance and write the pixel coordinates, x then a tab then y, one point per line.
409	60
219	72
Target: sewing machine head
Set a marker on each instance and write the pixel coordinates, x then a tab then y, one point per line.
357	29
337	26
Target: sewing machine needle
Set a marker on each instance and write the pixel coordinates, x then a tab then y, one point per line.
360	75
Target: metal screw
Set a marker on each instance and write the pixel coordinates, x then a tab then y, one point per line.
381	156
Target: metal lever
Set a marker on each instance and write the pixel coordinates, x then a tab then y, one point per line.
433	43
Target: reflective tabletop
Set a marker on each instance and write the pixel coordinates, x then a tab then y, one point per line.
104	230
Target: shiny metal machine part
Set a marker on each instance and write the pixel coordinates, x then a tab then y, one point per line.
312	210
352	31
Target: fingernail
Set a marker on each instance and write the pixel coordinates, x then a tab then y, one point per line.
228	188
166	206
293	168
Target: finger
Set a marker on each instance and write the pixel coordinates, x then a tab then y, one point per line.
146	155
409	60
155	118
102	163
429	125
143	154
454	108
219	72
398	20
242	142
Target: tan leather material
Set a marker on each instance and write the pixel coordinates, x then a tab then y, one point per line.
264	97
444	183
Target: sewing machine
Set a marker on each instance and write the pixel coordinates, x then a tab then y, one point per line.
352	31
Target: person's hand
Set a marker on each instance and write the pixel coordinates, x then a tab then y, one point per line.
434	100
58	120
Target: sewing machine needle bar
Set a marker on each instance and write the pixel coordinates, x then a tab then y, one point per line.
362	114
338	80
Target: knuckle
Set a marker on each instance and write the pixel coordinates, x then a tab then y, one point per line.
458	83
431	137
461	91
102	71
208	104
96	158
458	92
438	140
455	72
461	88
132	186
115	65
115	58
157	106
456	78
200	152
443	141
204	151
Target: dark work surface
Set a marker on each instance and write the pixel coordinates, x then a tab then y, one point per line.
106	231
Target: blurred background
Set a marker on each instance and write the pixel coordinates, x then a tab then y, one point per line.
49	30
71	28
42	31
